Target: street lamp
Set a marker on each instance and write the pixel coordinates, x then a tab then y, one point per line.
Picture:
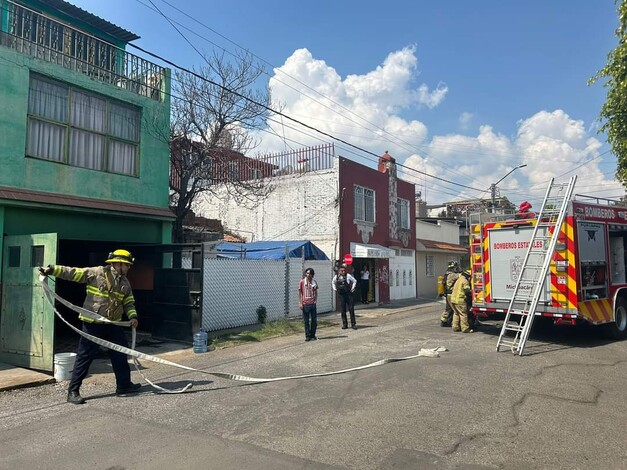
493	185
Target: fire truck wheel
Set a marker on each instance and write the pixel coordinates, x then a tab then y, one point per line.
618	328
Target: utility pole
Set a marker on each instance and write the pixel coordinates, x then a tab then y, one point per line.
493	185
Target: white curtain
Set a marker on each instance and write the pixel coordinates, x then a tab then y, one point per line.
124	122
88	112
45	140
87	150
92	128
47	100
121	157
359	203
369	205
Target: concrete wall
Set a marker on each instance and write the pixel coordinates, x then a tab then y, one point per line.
427	286
441	231
299	207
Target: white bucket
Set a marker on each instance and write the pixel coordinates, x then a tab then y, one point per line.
63	366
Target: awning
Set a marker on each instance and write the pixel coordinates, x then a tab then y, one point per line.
432	245
359	250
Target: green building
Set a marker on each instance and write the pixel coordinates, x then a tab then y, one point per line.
84	160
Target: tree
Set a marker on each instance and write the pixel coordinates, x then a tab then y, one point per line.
614	111
214	110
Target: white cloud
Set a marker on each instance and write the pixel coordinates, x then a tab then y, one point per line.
368	109
464	120
551	144
360	109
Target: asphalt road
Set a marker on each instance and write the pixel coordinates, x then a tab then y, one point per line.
562	406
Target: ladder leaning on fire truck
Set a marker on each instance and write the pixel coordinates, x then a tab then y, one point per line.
535	266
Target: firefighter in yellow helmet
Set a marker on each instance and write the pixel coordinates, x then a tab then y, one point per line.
459	302
109	294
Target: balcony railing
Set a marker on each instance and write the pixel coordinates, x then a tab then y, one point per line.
42	37
316	158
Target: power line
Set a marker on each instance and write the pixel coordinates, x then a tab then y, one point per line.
256	103
396	138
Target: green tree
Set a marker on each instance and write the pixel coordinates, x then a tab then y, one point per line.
613	114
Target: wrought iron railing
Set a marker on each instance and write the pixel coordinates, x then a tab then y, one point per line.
316	158
40	36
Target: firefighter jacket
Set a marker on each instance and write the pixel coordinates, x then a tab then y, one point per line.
461	290
450	277
109	294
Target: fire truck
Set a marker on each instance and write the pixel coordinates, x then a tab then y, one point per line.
586	280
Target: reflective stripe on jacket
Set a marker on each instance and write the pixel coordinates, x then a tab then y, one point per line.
108	293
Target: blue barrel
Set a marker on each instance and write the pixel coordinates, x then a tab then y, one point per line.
200	341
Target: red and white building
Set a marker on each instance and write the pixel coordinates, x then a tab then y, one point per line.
343	207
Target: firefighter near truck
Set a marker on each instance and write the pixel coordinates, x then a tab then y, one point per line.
586	281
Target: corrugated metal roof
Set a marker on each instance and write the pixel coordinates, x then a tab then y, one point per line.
89	18
39	197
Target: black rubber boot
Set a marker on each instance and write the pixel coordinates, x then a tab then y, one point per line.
75	398
131	388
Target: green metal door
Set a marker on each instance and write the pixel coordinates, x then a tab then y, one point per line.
26	318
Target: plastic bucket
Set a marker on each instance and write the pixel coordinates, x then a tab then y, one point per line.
63	366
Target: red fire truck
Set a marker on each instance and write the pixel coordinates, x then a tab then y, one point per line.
586	280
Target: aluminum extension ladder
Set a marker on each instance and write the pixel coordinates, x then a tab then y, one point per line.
535	266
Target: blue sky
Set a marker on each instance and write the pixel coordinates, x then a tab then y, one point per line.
462	90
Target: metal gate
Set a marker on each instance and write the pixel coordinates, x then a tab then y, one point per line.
26	319
170	302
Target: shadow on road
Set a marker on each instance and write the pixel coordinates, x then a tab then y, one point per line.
546	337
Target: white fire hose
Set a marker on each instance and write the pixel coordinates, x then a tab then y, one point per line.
51	296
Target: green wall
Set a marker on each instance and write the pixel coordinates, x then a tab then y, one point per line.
150	188
76	225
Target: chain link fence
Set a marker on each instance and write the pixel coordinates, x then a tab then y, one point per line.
233	289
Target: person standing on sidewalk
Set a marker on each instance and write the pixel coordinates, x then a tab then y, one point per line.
307	297
109	295
364	284
459	302
344	284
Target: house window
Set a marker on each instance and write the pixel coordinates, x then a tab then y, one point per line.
397	278
430	271
233	171
402	213
404	277
411	278
37	256
254	174
73	126
15	255
364	204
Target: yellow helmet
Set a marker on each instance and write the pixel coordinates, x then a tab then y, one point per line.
120	256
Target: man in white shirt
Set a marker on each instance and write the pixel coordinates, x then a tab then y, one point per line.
344	284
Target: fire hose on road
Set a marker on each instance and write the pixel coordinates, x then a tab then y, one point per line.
51	296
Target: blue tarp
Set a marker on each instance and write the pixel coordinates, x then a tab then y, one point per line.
270	250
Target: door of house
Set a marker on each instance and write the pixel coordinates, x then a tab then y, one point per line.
26	318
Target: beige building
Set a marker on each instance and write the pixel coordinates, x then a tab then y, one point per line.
437	243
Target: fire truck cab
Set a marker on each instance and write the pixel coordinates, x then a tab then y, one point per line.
586	280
